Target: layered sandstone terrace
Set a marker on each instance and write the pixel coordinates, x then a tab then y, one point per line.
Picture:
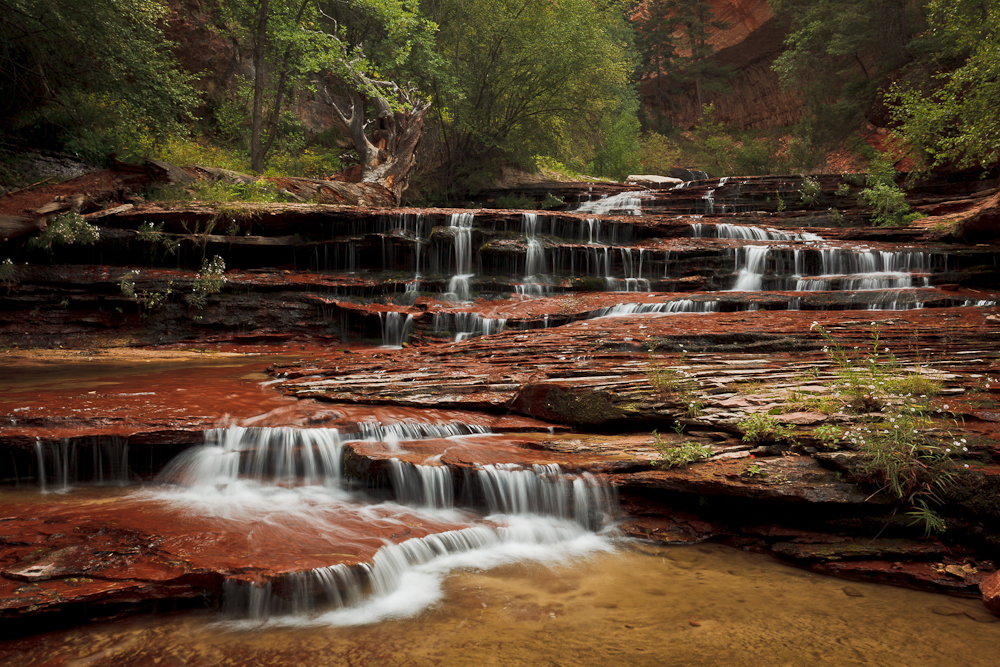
427	378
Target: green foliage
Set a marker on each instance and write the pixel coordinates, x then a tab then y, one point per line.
515	202
618	151
676	381
837	56
208	281
658	154
884	196
148	302
721	153
950	117
897	452
673	39
809	192
10	275
96	76
527	77
551	201
759	426
679	455
66	229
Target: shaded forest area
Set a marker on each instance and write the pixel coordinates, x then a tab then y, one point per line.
443	95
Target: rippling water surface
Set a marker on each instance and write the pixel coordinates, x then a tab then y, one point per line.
706	605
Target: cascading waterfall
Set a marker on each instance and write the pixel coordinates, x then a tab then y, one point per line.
679	306
466	325
748	233
459	287
538	513
63	463
422	486
625	203
396	328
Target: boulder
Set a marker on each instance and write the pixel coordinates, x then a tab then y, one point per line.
990	588
653	181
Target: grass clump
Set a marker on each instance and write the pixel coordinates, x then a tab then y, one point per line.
759	426
899	451
675	456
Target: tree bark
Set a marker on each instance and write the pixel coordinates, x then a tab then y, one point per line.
388	157
260	38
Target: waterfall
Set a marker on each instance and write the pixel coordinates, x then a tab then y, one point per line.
466	325
751	261
422	486
459	286
679	306
510	489
748	233
63	463
396	328
625	203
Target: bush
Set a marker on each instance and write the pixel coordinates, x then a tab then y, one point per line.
896	451
679	455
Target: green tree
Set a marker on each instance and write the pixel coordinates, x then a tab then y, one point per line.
523	77
72	68
672	36
950	117
839	54
307	43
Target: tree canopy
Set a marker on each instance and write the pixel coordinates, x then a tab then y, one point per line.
950	117
521	77
61	60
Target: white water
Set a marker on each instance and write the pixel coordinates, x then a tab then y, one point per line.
59	462
466	325
625	203
679	306
748	233
396	328
293	478
459	286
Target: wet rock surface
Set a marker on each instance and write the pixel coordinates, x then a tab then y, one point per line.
595	341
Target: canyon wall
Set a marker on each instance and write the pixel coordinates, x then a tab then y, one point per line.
750	43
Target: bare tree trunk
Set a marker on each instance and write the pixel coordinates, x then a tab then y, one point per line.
260	38
388	157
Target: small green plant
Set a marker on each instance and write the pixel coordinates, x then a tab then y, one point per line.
518	202
781	202
843	190
10	275
70	228
835	217
681	454
897	452
760	426
829	436
148	302
754	470
148	232
665	380
810	191
208	281
551	201
884	196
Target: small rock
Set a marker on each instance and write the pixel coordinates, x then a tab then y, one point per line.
990	588
694	623
853	592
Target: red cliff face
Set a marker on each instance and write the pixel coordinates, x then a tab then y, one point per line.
749	45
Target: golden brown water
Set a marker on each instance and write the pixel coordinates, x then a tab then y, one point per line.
700	606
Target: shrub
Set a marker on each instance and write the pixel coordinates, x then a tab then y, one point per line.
896	451
679	455
66	229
